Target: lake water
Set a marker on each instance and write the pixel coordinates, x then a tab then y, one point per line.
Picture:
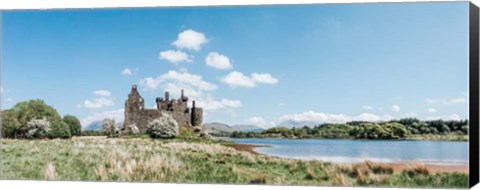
351	151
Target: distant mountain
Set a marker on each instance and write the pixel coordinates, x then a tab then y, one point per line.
217	128
296	124
247	128
94	126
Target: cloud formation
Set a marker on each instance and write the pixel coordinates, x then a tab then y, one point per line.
259	121
177	78
235	79
175	56
118	115
127	72
98	103
207	102
194	87
445	117
190	39
218	61
432	110
101	102
395	108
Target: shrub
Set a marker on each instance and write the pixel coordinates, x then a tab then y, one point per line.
134	129
59	129
14	120
74	124
10	124
163	127
38	128
417	170
110	128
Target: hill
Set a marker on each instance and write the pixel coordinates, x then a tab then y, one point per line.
94	126
247	128
218	129
297	124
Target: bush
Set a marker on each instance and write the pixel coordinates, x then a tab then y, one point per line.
59	129
74	124
15	120
38	128
134	129
163	127
110	128
10	124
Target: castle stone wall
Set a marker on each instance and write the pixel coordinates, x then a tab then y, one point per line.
136	114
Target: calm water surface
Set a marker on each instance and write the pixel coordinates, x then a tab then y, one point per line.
350	151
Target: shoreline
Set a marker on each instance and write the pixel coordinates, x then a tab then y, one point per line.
320	138
247	148
397	166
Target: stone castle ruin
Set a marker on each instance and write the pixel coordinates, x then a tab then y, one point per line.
136	114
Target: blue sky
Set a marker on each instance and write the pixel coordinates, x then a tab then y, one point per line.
248	64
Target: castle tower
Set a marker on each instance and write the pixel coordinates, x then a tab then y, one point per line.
133	105
196	115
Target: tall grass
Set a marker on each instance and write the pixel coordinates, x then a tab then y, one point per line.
148	160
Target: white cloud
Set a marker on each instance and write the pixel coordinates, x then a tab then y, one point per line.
98	103
432	110
445	117
118	115
231	103
207	102
175	57
102	93
127	72
264	78
1	90
395	108
317	117
411	114
190	39
194	87
218	61
236	78
259	121
367	107
179	79
457	100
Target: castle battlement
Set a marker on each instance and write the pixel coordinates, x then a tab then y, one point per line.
136	114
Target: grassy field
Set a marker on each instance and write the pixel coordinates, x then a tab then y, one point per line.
143	159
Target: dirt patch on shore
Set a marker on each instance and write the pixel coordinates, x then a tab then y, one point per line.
246	147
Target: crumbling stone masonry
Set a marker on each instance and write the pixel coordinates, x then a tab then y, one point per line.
136	114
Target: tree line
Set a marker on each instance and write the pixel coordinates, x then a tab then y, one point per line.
394	129
34	119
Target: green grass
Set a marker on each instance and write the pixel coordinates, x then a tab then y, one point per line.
141	159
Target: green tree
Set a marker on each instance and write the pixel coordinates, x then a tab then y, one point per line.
398	131
15	120
74	124
35	109
10	124
59	129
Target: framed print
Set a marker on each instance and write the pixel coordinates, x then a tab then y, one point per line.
359	94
